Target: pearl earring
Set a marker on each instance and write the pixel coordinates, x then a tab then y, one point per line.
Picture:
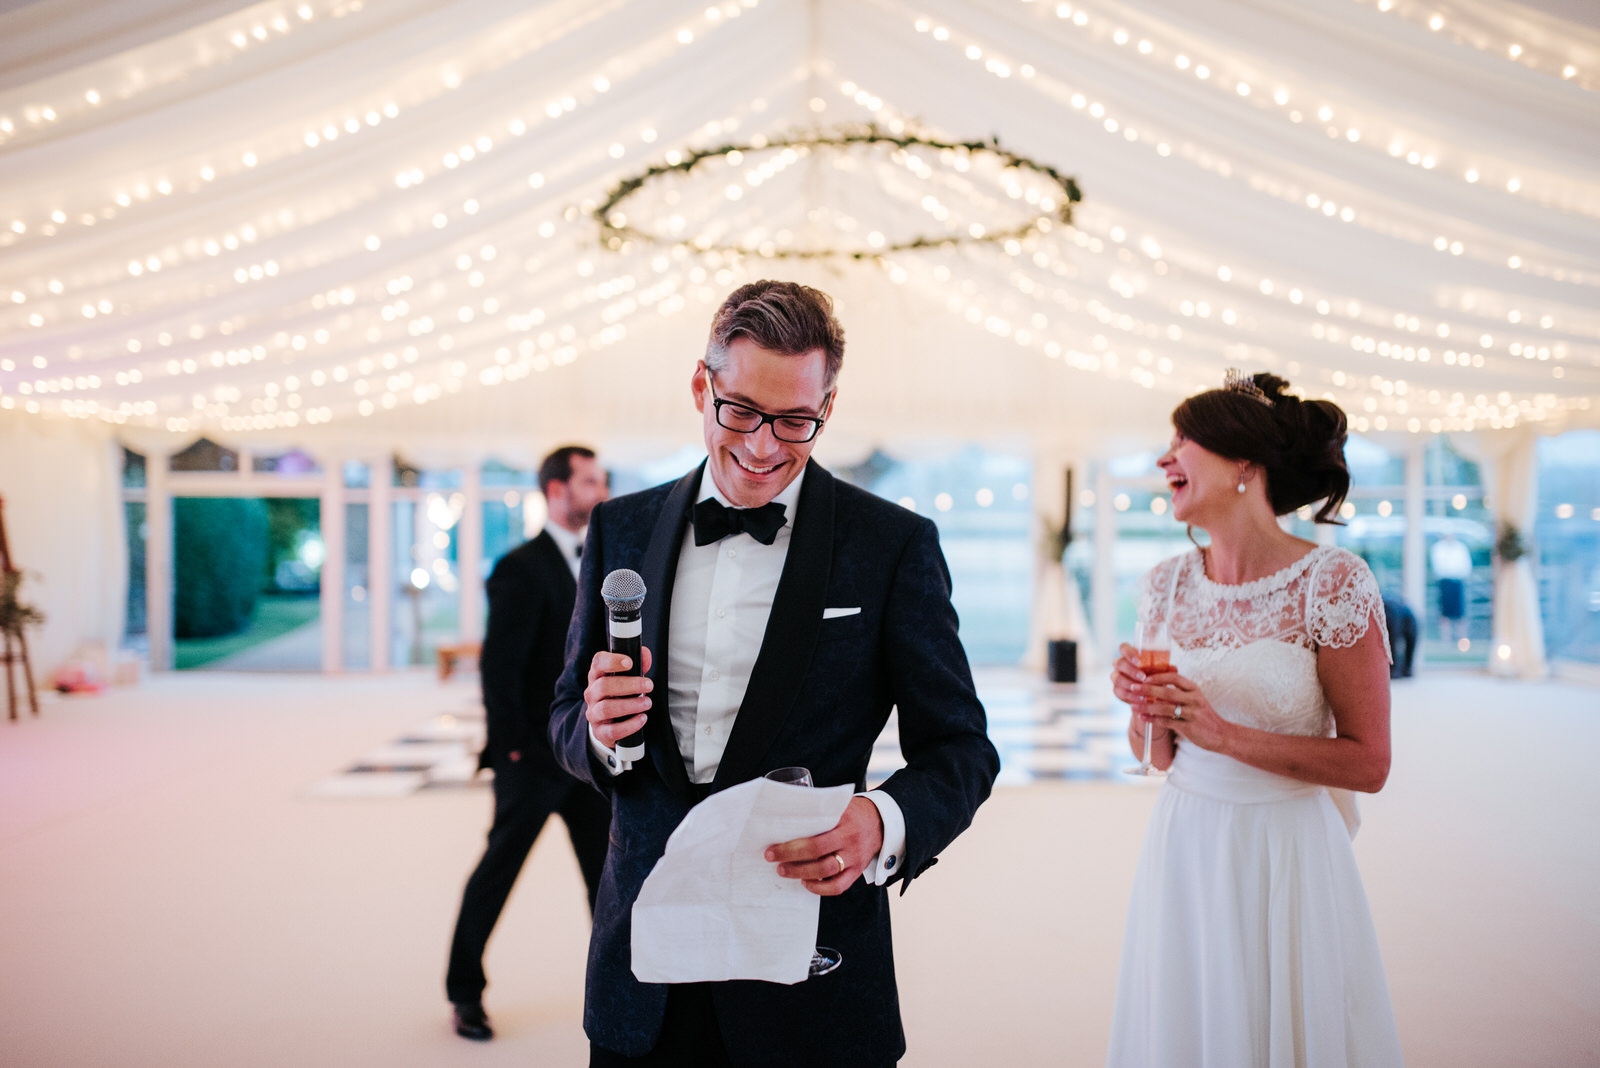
1240	487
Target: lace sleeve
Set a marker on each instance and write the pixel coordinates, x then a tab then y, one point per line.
1152	595
1143	596
1342	599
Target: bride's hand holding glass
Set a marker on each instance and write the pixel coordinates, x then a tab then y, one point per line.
1128	681
1149	733
1181	706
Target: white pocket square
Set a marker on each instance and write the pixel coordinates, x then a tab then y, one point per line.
836	613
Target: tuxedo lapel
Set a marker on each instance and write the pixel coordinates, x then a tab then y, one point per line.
659	569
791	635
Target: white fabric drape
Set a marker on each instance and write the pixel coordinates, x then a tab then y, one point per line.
1057	611
1509	463
1049	620
64	525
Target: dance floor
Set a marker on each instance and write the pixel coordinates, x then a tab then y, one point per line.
191	873
1042	732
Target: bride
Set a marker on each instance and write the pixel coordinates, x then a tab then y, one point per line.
1248	941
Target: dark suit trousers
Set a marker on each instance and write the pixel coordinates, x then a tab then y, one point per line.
690	1037
523	800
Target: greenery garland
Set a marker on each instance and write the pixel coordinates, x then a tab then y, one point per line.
1509	544
614	237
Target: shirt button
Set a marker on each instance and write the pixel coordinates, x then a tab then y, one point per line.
708	732
722	613
732	553
715	675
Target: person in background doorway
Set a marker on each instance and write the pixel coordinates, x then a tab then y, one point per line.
1452	565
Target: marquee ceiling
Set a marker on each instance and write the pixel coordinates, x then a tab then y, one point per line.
360	224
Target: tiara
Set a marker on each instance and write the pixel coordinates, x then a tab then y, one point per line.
1236	381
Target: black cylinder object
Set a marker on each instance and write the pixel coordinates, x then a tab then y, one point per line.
1063	661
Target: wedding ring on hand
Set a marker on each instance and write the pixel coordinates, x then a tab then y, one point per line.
1177	711
840	859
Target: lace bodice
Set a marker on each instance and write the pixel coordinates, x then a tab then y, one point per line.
1252	647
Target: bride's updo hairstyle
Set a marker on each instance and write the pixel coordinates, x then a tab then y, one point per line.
1298	443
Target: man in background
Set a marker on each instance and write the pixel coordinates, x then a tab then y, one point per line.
531	594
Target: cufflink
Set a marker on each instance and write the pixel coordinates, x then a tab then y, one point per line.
888	865
611	761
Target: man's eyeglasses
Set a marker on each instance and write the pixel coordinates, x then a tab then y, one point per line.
743	419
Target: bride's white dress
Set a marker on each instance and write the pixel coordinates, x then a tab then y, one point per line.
1249	943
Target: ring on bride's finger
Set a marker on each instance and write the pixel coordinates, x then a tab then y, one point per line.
1177	711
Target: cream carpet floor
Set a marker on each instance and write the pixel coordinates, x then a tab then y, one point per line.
173	894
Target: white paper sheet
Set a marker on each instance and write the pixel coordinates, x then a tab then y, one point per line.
714	907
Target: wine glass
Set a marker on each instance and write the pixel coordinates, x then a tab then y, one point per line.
823	959
1155	657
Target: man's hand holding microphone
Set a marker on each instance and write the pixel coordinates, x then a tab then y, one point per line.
616	699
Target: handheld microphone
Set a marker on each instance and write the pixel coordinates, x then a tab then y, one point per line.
623	592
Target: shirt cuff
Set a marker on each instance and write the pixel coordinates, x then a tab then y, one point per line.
891	858
608	758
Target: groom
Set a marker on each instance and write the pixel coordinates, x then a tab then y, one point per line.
787	614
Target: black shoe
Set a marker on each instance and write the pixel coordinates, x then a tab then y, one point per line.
472	1022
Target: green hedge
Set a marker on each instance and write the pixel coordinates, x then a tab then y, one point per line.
287	518
219	554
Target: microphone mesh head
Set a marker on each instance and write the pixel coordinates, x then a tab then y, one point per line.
623	589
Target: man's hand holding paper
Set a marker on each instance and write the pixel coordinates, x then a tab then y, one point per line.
828	863
715	908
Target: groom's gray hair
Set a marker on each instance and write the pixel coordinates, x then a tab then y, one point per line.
782	317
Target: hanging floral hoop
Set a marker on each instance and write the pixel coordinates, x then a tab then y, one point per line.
616	233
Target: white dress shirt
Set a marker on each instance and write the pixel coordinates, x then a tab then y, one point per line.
568	542
721	601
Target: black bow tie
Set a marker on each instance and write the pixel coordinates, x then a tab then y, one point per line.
714	521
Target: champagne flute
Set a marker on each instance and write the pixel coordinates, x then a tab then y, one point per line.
823	959
1155	657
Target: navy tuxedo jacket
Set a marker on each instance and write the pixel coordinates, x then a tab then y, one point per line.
531	592
819	695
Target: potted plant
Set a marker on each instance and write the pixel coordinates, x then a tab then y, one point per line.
14	613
